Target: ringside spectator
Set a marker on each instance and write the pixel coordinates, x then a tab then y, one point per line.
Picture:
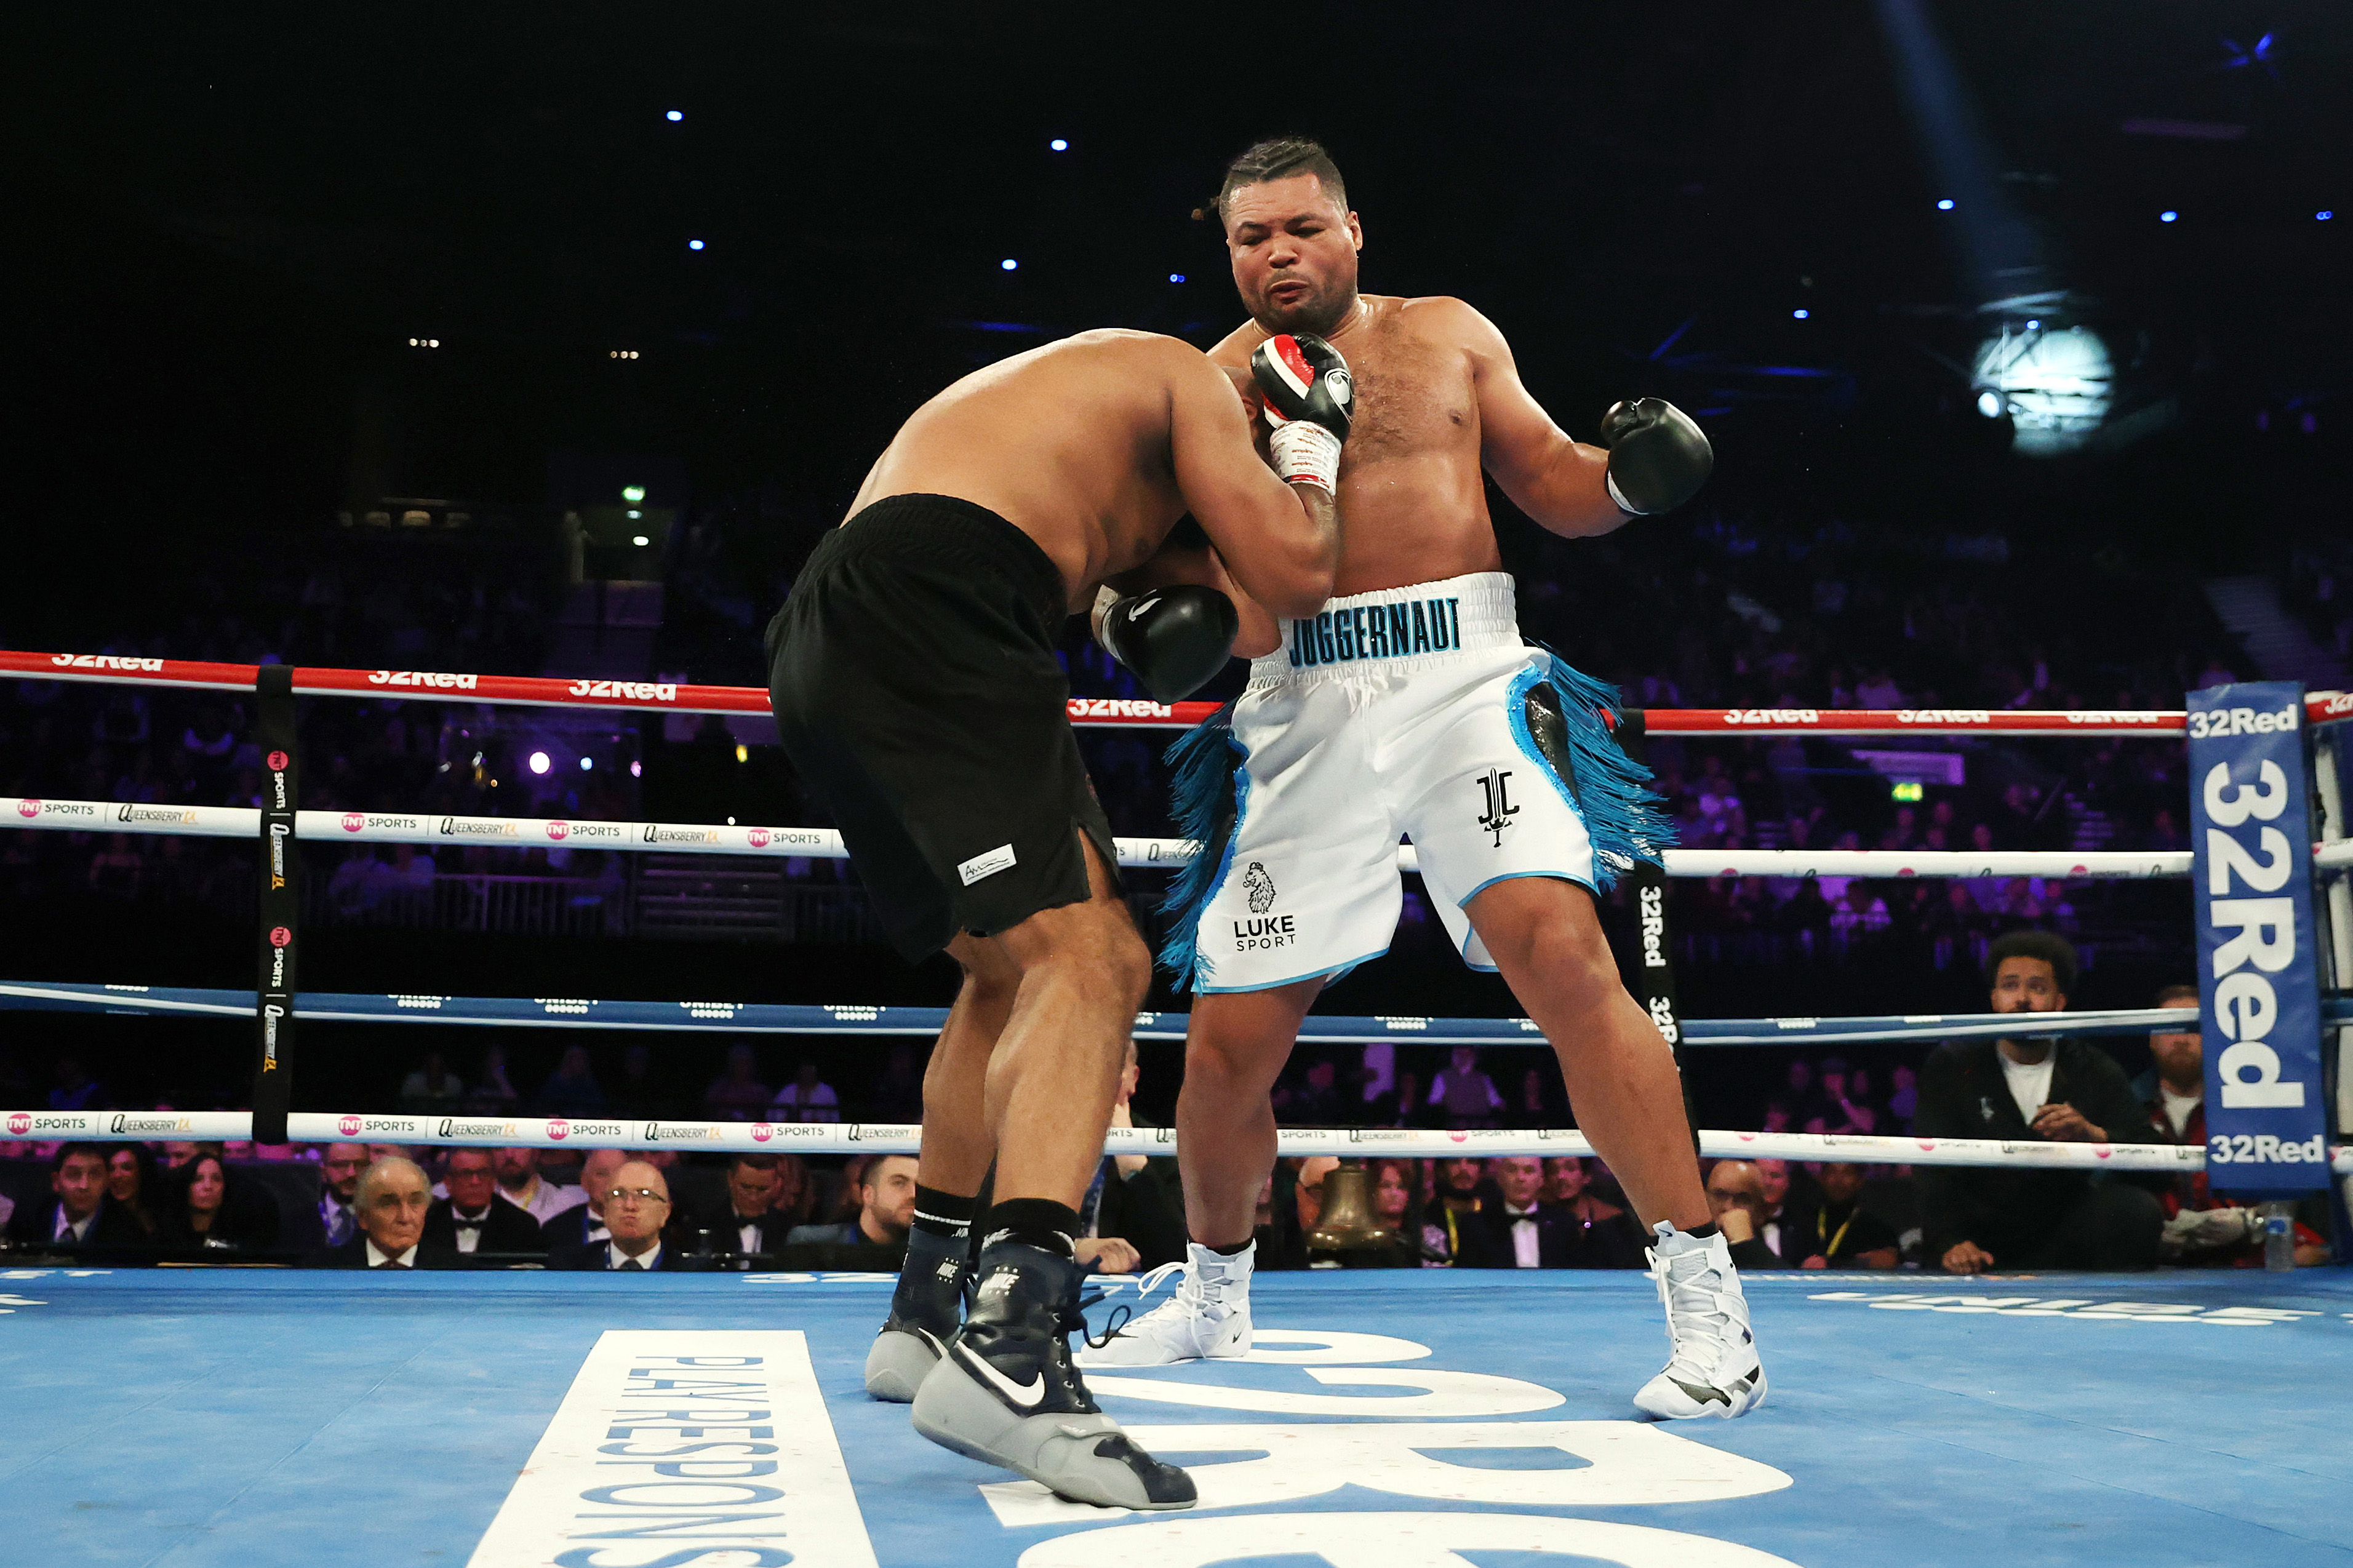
749	1222
584	1220
131	1182
2203	1229
1736	1200
808	1097
389	1203
1843	1235
2020	1089
637	1207
81	1214
1133	1207
206	1206
886	1207
519	1184
470	1220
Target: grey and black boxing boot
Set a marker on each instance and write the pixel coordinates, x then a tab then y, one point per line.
1006	1392
926	1308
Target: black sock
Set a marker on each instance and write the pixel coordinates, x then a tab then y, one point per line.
943	1214
1234	1251
1702	1232
1040	1223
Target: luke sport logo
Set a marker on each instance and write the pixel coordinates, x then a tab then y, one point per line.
635	691
103	661
423	678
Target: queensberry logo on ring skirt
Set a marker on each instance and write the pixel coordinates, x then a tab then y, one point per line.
2258	978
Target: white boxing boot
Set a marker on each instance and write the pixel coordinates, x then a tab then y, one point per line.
1208	1318
1713	1370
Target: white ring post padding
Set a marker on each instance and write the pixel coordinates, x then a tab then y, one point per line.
850	1138
824	843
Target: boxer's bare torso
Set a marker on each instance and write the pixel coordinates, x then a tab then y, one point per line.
1096	446
1412	479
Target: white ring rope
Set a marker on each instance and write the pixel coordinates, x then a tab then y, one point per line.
824	843
852	1138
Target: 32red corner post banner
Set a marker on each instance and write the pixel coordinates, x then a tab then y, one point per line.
2258	974
278	906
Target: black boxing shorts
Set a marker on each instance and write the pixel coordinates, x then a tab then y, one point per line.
917	693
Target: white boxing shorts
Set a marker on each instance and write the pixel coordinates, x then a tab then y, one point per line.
1414	713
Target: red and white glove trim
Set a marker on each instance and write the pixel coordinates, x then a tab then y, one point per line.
1305	452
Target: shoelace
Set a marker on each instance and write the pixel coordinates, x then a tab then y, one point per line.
1689	1303
1075	1320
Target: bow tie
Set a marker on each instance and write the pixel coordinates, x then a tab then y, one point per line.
473	1224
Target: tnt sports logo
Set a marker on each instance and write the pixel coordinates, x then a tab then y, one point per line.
558	1129
757	838
28	808
278	761
20	1124
762	1132
354	821
280	936
348	1126
557	830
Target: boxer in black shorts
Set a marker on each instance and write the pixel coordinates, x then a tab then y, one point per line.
916	690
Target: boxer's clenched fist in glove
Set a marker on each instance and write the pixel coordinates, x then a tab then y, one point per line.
1658	457
1308	398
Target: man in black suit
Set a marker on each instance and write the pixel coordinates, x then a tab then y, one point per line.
749	1223
584	1222
330	1221
1523	1230
470	1220
81	1215
637	1207
2063	1090
390	1202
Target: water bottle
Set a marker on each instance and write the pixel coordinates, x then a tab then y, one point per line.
2279	1236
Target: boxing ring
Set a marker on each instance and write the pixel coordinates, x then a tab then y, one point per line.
1387	1419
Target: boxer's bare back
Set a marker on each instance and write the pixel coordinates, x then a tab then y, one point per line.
1096	445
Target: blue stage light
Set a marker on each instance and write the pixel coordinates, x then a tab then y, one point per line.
1059	144
694	245
1009	264
1946	205
1175	277
674	116
2324	215
1802	314
2167	216
2034	326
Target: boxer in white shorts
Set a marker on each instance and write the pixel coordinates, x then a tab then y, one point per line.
1410	708
1414	713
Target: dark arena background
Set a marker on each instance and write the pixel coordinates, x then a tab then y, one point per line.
425	411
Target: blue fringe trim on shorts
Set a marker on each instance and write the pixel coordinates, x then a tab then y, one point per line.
1625	818
1205	764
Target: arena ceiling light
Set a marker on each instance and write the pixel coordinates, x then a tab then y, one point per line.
2053	383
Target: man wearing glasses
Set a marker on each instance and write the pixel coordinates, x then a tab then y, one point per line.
637	1207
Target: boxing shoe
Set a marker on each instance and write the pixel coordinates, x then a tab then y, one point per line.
1207	1318
925	1310
1006	1392
1714	1369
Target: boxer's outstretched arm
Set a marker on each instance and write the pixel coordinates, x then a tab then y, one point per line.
1560	483
1280	541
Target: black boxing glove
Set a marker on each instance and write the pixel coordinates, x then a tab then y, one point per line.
1658	457
1308	394
1173	638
